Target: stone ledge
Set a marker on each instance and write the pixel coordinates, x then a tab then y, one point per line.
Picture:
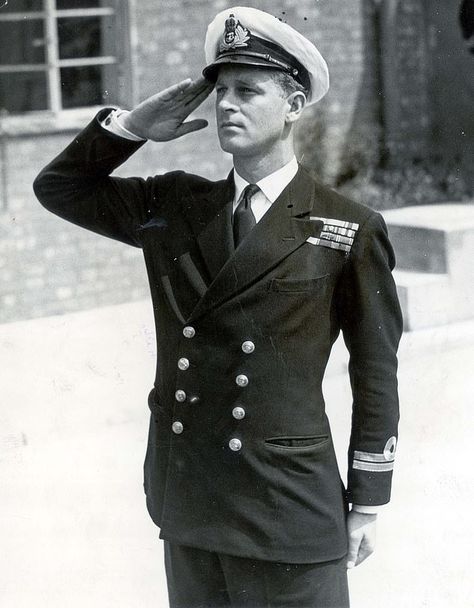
427	238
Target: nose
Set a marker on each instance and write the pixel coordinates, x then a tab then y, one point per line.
226	102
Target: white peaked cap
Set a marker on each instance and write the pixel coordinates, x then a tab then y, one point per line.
285	46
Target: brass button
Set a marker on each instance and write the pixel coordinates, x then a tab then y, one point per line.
189	332
177	427
241	380
235	444
248	347
180	396
183	364
238	413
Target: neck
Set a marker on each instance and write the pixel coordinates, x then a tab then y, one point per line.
254	168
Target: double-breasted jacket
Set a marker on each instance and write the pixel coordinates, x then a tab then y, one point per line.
240	457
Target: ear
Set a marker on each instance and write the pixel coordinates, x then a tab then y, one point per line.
296	105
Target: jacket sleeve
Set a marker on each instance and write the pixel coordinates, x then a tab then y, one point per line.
371	323
77	185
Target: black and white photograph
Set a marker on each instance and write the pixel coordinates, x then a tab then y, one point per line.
236	303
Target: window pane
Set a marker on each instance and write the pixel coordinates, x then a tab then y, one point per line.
22	42
82	86
21	6
85	37
65	4
23	92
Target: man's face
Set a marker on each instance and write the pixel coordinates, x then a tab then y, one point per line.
250	110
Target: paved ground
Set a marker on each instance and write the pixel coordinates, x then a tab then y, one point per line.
73	422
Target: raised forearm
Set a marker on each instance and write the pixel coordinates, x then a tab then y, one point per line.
76	185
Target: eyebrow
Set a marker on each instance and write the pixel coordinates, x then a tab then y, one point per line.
242	81
248	83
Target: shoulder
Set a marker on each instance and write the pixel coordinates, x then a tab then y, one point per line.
360	227
337	206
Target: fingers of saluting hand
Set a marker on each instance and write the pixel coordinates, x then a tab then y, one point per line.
175	90
161	117
188	100
194	96
200	86
186	91
190	126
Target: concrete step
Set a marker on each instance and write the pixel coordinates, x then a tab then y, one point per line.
424	298
434	246
433	238
431	300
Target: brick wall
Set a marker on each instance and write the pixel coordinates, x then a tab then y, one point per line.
341	135
49	267
406	71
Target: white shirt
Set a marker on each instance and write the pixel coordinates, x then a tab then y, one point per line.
270	186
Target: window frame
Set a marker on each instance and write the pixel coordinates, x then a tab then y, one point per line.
56	118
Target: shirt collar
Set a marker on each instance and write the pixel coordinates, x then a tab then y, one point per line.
272	185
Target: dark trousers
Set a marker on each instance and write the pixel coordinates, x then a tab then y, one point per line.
201	579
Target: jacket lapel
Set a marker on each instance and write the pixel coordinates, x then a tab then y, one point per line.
210	219
281	230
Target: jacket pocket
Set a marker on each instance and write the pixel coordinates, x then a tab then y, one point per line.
297	443
298	285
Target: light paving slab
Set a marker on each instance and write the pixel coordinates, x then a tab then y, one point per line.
73	421
434	247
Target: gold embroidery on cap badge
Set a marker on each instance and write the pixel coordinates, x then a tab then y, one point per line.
234	36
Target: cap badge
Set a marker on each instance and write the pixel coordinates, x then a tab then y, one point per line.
234	36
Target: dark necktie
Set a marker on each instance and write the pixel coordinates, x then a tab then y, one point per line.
244	219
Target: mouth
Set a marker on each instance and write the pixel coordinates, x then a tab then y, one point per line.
224	125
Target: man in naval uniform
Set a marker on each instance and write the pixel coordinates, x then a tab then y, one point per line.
252	279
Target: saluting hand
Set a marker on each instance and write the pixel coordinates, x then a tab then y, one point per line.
161	117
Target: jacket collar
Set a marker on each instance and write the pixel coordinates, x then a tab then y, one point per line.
282	229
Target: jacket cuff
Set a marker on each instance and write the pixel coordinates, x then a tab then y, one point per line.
113	124
370	475
368	510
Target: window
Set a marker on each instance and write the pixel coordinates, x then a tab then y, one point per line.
59	55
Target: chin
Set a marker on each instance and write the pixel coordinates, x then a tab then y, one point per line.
232	145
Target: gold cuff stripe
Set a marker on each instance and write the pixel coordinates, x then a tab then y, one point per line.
373	467
373	457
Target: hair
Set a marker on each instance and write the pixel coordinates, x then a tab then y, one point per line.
287	83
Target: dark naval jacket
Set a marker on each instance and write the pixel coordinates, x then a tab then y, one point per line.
240	457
